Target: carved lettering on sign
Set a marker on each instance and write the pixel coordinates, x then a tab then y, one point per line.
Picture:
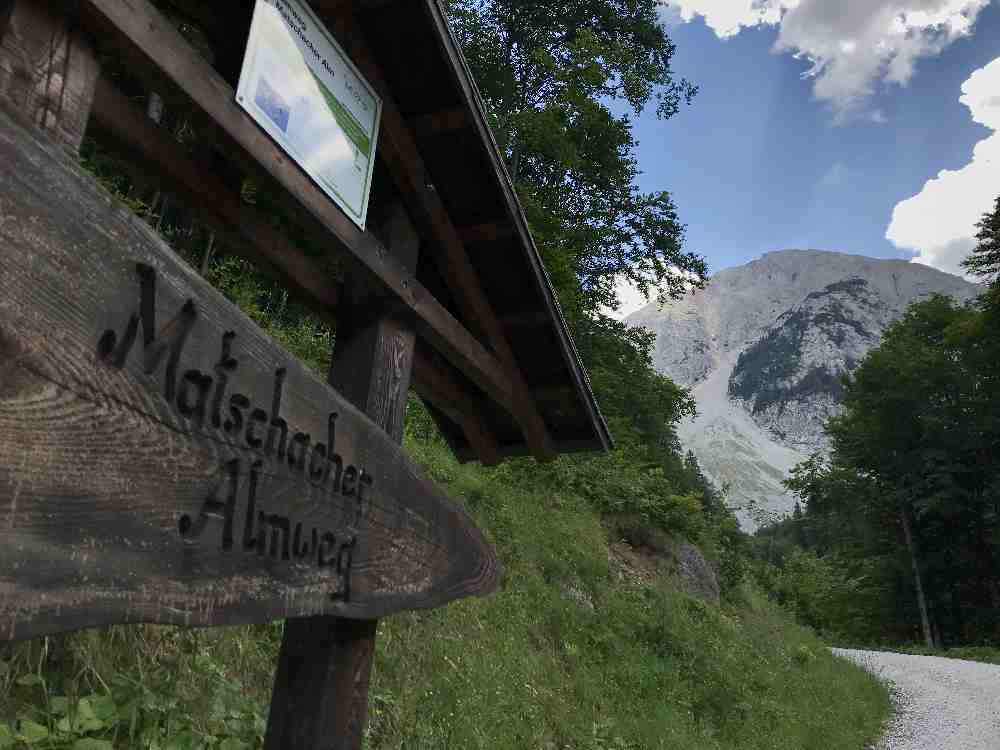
270	534
126	392
200	398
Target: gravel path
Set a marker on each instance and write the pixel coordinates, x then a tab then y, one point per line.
941	704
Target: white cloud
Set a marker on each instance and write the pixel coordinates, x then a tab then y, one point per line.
938	223
852	45
728	17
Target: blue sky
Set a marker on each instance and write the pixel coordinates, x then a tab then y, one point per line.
766	158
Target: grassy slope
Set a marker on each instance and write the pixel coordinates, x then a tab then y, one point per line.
527	668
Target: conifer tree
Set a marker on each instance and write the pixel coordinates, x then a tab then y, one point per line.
985	259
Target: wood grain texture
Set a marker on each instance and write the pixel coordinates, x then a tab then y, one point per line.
463	80
321	686
47	69
122	127
443	121
126	478
442	389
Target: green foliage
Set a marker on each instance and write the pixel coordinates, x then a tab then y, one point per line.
646	666
985	259
138	687
270	307
921	422
828	593
548	72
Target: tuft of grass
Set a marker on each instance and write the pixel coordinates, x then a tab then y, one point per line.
647	668
144	686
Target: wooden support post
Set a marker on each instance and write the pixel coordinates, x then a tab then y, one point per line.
48	68
122	127
320	697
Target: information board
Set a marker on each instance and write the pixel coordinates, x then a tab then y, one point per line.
300	87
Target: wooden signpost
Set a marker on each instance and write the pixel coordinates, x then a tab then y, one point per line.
161	459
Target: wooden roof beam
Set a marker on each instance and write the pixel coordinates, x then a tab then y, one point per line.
481	233
399	152
435	383
525	319
146	29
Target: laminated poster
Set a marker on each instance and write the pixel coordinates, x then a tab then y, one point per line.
300	87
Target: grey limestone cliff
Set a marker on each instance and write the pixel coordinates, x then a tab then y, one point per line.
763	348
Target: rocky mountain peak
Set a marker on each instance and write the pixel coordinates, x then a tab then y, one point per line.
764	347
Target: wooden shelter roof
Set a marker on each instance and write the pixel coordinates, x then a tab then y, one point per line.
495	361
434	90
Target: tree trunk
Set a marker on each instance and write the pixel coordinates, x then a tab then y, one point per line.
925	623
515	159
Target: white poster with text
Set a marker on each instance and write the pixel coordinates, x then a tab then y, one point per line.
300	87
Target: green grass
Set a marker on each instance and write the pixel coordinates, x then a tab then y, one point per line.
647	667
527	668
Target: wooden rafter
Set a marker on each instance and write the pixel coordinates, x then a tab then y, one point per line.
492	232
435	383
525	319
399	152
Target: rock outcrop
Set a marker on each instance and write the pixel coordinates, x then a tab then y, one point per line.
763	348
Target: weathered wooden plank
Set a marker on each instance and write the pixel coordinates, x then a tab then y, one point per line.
373	357
120	124
526	319
147	29
463	80
321	689
162	460
47	68
400	154
493	232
